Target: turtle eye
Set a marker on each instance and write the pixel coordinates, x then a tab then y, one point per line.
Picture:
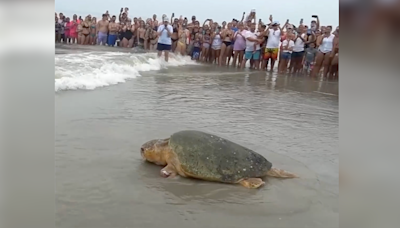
142	150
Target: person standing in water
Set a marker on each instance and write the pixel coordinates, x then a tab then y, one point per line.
164	41
102	30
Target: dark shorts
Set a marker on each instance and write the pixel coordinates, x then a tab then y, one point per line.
298	54
196	53
163	47
286	55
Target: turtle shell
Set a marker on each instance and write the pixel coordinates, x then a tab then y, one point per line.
211	157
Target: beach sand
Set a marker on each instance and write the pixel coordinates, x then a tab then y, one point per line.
108	103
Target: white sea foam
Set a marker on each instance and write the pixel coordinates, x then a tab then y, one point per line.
89	71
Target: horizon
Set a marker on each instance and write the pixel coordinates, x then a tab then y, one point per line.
328	12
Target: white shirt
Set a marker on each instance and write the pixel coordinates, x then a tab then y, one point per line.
327	44
250	44
299	44
285	42
274	38
164	38
217	41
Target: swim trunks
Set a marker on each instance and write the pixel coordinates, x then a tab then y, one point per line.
271	53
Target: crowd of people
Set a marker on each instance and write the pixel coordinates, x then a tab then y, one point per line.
309	49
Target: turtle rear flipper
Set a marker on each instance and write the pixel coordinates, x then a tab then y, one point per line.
280	173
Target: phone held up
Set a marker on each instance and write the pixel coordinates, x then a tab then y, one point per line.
314	16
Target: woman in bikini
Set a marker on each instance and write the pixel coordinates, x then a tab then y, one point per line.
141	31
154	39
175	35
206	45
130	32
79	29
181	45
122	36
226	47
93	31
85	31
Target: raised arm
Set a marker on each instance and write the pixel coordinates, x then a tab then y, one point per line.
243	16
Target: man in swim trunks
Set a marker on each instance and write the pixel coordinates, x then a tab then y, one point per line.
272	47
252	51
102	28
113	29
155	22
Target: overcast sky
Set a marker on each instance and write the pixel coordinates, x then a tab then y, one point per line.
218	10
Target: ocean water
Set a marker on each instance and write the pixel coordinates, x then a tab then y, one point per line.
91	68
109	101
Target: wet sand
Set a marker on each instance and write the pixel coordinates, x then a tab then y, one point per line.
101	180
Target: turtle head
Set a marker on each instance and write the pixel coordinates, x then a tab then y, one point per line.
154	151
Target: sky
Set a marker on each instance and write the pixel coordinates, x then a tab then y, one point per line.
218	10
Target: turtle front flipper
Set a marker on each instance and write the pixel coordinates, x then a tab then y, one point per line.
168	171
252	182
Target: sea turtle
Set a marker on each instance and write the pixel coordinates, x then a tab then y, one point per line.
200	155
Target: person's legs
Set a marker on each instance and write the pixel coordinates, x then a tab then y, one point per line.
101	38
222	55
292	62
247	55
217	55
285	56
274	57
299	61
240	57
267	56
159	50
318	63
111	40
163	48
256	59
212	56
235	57
335	66
229	54
327	63
166	55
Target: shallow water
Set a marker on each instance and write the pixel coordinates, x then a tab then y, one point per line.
102	181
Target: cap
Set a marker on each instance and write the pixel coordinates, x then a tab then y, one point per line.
253	10
166	19
275	23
